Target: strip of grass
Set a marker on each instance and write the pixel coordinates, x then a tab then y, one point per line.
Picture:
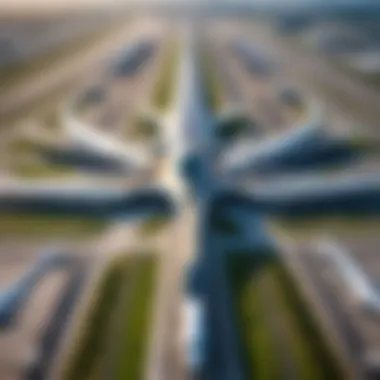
164	89
213	88
299	344
154	225
303	319
306	227
142	129
89	353
24	146
33	170
312	355
23	224
258	350
134	337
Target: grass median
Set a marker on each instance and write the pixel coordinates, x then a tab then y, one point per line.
142	129
92	355
137	320
314	358
257	345
154	225
164	89
24	224
89	352
212	86
22	145
304	343
39	170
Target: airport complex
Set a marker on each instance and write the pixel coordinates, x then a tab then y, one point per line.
186	197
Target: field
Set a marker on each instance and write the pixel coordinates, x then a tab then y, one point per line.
279	336
163	91
113	336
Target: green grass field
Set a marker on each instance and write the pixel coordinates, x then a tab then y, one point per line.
141	129
164	89
137	316
89	352
258	347
24	224
92	353
251	274
34	170
213	87
154	225
24	146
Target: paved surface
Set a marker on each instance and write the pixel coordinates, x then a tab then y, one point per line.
71	69
166	358
257	95
312	73
18	346
56	327
336	322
